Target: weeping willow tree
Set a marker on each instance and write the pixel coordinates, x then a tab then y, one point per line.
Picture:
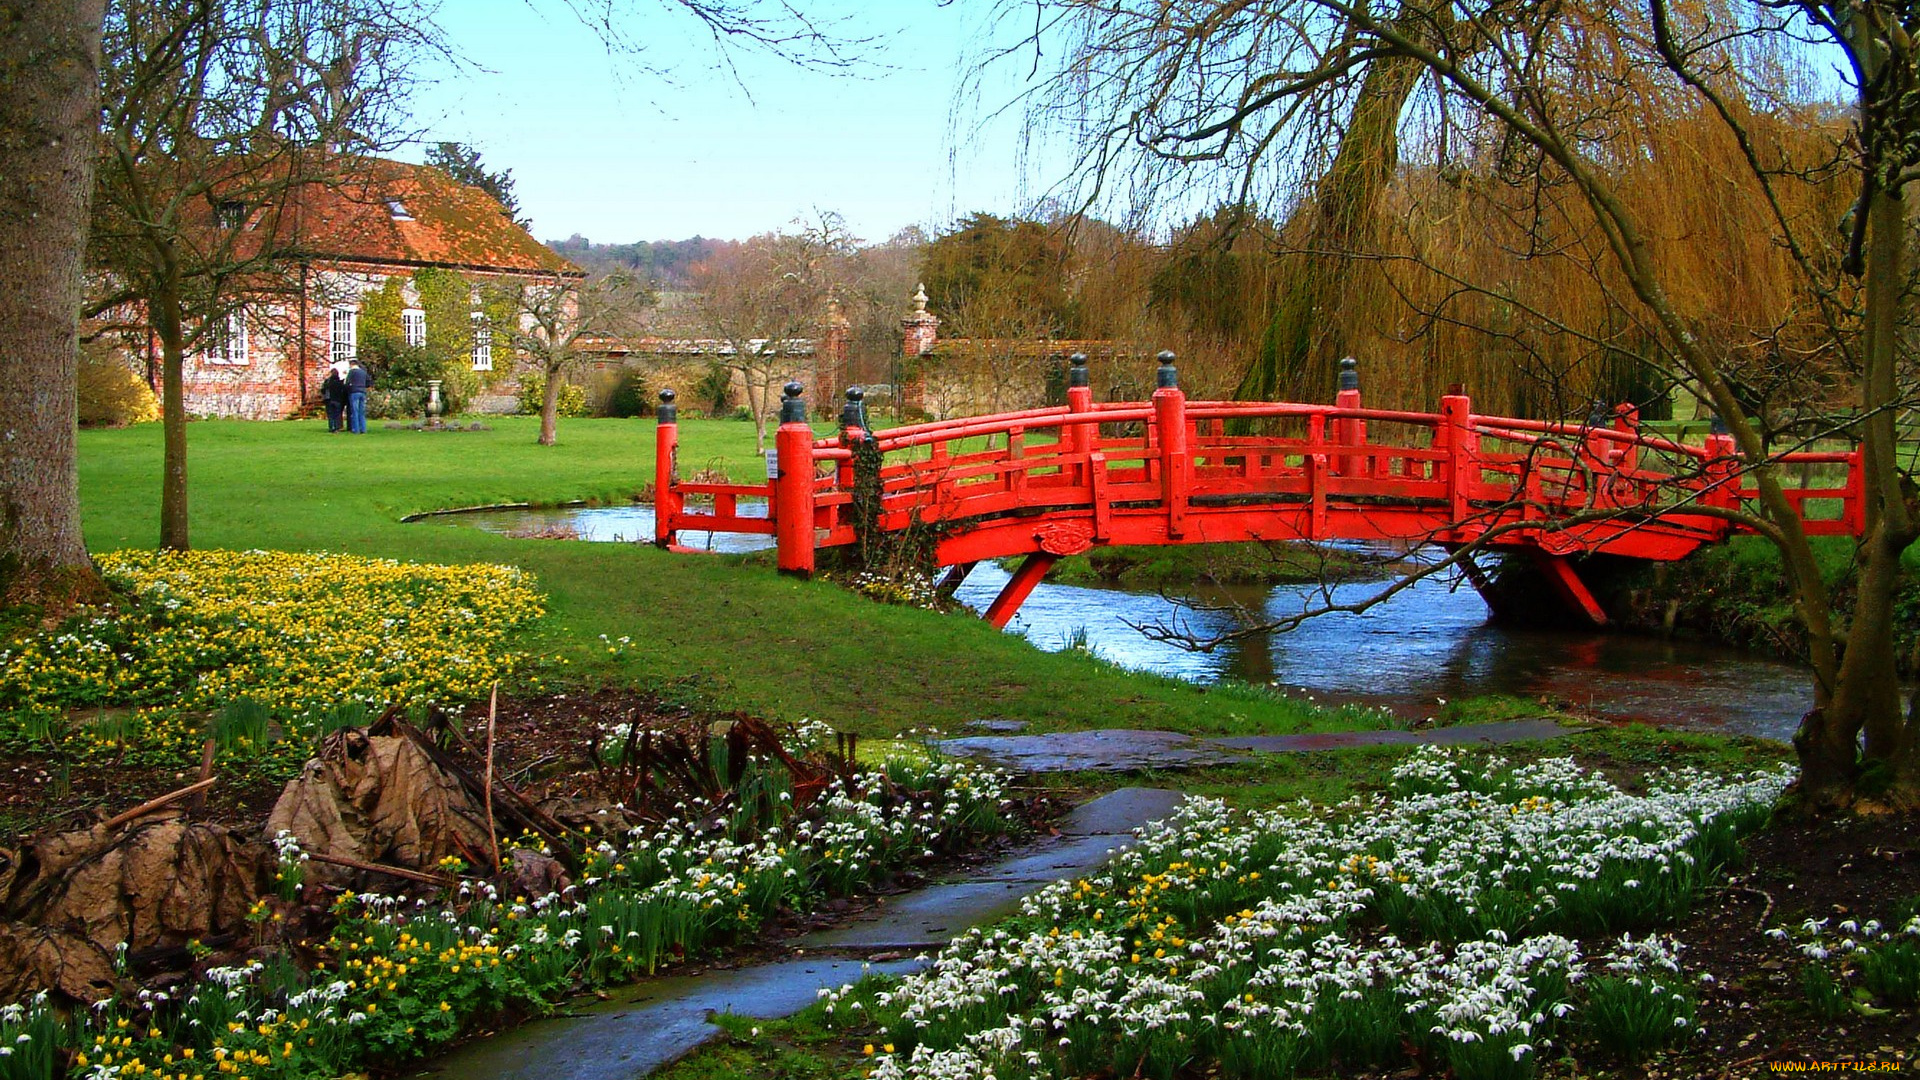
1641	177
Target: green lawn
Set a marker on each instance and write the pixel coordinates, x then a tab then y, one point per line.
717	631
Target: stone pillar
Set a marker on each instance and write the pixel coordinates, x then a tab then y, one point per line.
833	353
920	332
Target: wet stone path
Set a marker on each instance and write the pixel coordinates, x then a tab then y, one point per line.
662	1020
1124	750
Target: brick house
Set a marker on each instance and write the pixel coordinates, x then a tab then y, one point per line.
404	239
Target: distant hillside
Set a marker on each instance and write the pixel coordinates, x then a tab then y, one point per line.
663	262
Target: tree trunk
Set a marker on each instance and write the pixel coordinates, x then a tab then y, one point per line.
1339	220
165	316
49	69
759	388
550	410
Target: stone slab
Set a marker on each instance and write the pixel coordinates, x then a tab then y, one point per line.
1130	750
1113	750
1506	731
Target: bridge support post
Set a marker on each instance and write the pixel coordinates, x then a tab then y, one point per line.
1456	433
792	484
1349	431
1566	584
667	500
955	577
1170	420
1018	588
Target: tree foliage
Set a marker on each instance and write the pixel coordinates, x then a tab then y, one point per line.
462	162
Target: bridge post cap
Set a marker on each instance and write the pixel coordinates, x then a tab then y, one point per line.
855	393
1349	373
1168	377
1717	425
793	408
667	412
1077	370
667	396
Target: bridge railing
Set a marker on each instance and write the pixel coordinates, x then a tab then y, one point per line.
1172	471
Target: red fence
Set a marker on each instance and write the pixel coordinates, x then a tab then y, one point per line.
1058	481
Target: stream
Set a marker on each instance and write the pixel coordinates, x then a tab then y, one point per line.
1429	644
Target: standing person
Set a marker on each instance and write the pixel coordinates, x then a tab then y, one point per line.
333	394
357	382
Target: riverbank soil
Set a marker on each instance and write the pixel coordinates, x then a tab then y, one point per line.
1756	1011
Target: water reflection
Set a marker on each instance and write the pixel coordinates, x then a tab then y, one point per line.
1430	642
610	524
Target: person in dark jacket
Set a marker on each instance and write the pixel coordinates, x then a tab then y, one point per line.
357	383
333	394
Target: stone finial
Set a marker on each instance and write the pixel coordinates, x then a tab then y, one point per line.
920	299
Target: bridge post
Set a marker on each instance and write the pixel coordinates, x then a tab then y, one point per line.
1722	469
853	429
1079	400
792	484
1455	434
1349	431
667	500
1170	419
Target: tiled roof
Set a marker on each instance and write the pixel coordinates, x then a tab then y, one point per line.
446	223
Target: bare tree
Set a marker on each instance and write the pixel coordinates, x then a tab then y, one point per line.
49	97
1566	101
762	303
547	320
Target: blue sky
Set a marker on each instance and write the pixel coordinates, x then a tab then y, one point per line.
601	147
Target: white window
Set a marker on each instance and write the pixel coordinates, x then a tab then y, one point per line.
482	343
230	214
413	327
345	326
227	340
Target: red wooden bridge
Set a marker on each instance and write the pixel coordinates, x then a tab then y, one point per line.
1046	483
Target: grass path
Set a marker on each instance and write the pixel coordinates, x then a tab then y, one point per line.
717	631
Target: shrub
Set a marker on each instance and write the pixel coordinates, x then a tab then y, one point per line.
406	403
533	389
111	395
628	397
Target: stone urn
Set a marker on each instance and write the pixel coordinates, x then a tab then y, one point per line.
434	405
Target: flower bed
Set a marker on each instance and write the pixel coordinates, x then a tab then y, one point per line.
298	634
401	978
1439	918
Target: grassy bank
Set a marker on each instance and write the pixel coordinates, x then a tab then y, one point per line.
711	631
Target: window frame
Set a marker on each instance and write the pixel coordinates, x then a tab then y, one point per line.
413	327
482	342
227	345
341	347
